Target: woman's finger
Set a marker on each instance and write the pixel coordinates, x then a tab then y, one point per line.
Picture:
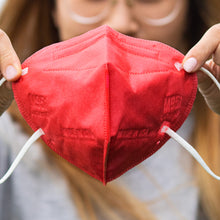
203	50
10	65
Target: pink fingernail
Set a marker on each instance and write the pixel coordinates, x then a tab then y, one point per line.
10	72
190	64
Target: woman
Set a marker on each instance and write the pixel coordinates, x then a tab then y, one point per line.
32	25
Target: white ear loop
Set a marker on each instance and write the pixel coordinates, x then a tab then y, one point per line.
2	81
25	148
181	141
189	148
210	76
21	154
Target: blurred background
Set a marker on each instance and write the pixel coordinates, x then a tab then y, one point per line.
1	3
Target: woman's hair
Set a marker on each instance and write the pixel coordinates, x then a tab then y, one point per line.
29	25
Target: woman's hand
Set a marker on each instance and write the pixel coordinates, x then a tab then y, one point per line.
10	68
198	56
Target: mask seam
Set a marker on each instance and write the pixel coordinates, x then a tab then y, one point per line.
65	69
130	73
106	124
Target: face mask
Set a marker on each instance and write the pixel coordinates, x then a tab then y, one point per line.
105	101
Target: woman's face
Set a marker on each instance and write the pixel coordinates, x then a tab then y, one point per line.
130	17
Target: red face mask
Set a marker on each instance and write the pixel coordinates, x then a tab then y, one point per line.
102	98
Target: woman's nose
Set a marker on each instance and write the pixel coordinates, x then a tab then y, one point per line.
121	19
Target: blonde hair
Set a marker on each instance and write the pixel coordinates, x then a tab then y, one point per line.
29	25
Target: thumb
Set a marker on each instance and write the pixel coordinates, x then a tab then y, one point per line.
10	66
208	46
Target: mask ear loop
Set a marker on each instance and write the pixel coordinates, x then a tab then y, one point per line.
181	141
21	154
37	134
2	81
210	76
189	148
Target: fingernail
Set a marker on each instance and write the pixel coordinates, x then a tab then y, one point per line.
190	64
10	72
